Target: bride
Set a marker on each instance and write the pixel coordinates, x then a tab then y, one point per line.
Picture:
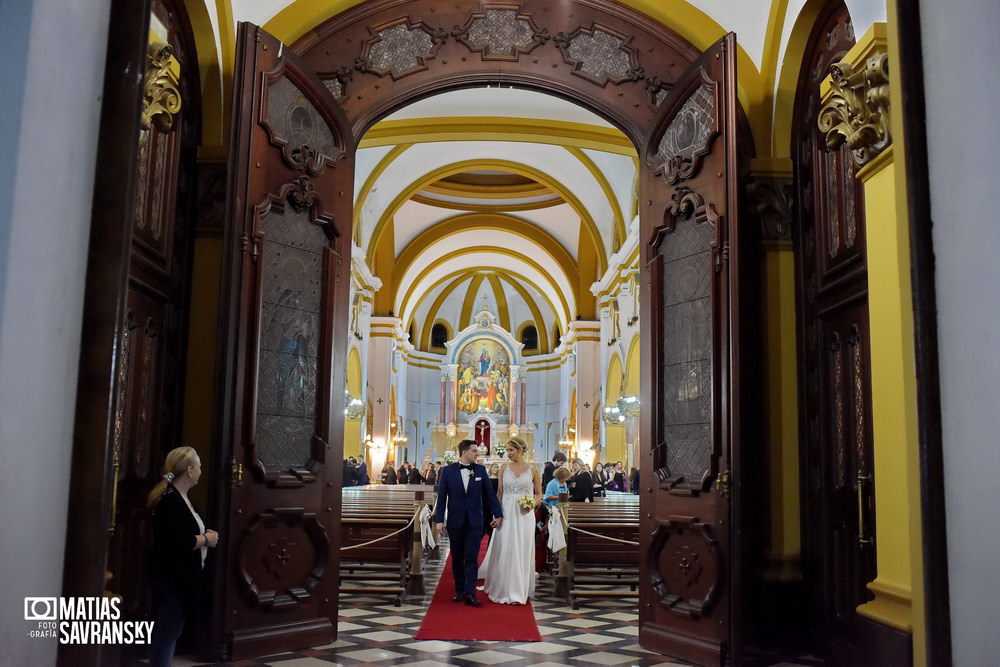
509	565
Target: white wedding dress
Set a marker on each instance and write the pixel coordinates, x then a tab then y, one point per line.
509	565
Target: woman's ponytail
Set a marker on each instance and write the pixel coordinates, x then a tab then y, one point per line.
177	462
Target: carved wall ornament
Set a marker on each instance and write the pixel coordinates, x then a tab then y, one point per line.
657	89
857	110
771	202
161	97
337	82
301	195
600	54
689	134
501	33
400	48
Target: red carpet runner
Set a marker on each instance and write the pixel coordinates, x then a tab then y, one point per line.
491	622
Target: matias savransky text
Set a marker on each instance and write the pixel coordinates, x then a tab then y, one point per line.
84	620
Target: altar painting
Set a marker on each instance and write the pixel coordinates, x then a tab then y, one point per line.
483	378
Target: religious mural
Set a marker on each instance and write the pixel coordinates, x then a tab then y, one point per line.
483	378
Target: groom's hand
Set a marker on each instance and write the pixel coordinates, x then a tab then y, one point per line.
496	522
440	528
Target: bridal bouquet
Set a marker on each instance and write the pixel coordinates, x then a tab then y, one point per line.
526	503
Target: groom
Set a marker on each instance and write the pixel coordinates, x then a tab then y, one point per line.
462	488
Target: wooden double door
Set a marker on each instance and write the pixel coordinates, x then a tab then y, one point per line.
291	190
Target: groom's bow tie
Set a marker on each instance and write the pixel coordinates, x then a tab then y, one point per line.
465	466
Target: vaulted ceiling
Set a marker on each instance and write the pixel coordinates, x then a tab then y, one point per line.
501	196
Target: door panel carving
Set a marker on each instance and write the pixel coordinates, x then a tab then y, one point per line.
287	323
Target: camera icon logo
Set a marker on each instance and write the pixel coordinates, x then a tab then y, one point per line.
41	609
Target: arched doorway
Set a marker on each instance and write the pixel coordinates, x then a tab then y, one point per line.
303	110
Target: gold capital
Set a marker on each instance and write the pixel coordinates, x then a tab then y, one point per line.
161	95
856	112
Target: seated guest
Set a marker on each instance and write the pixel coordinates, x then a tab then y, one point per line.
556	485
618	478
388	475
581	485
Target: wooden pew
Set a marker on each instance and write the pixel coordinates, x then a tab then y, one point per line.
392	566
589	560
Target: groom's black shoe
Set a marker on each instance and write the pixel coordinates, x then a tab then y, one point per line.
471	601
458	597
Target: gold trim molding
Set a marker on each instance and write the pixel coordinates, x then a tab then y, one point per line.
161	99
856	112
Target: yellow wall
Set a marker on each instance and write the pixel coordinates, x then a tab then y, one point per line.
632	368
614	434
782	413
199	382
352	427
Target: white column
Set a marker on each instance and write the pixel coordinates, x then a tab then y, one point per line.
586	340
380	355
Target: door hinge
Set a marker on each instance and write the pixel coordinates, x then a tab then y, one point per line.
721	255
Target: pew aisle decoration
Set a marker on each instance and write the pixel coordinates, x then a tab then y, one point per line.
426	530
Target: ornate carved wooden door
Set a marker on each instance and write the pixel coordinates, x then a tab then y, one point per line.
149	364
690	417
834	352
288	246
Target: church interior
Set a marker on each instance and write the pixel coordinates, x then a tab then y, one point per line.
735	252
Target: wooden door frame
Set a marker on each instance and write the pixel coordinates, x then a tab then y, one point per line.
937	606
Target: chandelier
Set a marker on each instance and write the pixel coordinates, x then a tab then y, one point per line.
354	408
625	408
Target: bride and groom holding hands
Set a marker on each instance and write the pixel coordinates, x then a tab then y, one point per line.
508	568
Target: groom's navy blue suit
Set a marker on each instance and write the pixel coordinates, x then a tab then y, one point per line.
465	520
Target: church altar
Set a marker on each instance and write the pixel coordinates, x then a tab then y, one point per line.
482	391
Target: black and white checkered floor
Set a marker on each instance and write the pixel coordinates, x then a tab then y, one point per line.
373	631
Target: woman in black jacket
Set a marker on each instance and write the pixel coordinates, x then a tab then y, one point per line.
581	485
180	544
